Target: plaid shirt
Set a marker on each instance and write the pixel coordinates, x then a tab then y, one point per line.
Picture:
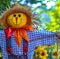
36	37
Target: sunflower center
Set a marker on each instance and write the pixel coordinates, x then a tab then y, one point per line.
42	54
55	54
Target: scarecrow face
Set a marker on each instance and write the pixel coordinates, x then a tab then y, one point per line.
17	20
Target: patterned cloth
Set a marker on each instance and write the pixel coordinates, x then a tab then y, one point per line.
36	37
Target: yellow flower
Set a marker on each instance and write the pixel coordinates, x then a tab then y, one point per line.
35	55
43	54
55	54
44	58
48	46
0	54
38	48
59	52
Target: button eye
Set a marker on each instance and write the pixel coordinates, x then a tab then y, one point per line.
14	15
19	15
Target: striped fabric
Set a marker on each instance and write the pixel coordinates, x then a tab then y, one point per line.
36	37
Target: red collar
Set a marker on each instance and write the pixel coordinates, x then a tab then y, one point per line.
18	33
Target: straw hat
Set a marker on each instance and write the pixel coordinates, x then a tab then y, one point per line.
16	8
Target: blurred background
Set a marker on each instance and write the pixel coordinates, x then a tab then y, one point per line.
46	13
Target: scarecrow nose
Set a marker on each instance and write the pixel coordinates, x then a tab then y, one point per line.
16	18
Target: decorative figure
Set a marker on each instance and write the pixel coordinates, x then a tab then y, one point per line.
21	38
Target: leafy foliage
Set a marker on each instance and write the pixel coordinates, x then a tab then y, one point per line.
55	19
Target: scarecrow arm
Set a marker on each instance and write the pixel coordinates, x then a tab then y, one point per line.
41	37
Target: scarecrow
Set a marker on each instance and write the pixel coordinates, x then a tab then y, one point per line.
20	37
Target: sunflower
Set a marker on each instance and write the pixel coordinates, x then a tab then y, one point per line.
35	55
55	54
38	48
48	46
43	54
